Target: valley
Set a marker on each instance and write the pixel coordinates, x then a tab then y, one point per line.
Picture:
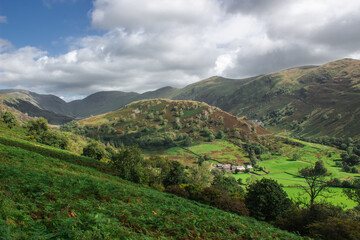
175	149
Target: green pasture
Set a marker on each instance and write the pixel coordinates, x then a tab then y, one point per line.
284	170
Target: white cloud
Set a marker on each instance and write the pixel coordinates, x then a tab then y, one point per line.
5	45
151	44
3	19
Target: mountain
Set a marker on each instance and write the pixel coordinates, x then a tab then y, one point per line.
310	101
98	103
57	111
307	101
27	104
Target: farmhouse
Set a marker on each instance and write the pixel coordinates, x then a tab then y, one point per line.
232	168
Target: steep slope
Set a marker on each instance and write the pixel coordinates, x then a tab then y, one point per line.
166	123
51	194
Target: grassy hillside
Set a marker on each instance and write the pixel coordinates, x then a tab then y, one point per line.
166	123
308	101
44	197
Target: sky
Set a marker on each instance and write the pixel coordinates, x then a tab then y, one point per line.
73	48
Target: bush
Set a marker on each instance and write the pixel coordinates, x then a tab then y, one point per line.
300	219
335	229
94	150
8	118
54	139
37	126
177	190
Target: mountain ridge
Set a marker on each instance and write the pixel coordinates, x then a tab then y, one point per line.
293	99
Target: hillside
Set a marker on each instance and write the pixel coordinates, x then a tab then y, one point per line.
43	197
166	123
307	101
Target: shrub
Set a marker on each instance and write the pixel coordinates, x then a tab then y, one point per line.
53	138
336	229
94	150
8	118
37	126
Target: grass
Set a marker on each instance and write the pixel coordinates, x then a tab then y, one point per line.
47	198
334	194
219	151
285	170
222	151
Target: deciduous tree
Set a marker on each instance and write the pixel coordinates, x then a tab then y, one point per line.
266	199
314	177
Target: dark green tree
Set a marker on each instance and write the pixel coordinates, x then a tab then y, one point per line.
266	199
175	175
128	164
220	135
350	159
253	158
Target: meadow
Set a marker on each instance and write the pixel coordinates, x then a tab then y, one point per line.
280	166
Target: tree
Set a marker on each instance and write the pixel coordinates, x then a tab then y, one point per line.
94	150
314	177
350	160
127	164
200	175
253	158
266	199
354	192
187	141
53	138
220	135
226	184
9	118
175	175
37	126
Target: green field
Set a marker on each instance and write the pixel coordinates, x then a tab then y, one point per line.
281	167
285	170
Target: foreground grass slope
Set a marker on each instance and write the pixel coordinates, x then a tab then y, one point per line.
46	198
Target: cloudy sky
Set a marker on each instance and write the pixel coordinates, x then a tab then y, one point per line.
73	48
